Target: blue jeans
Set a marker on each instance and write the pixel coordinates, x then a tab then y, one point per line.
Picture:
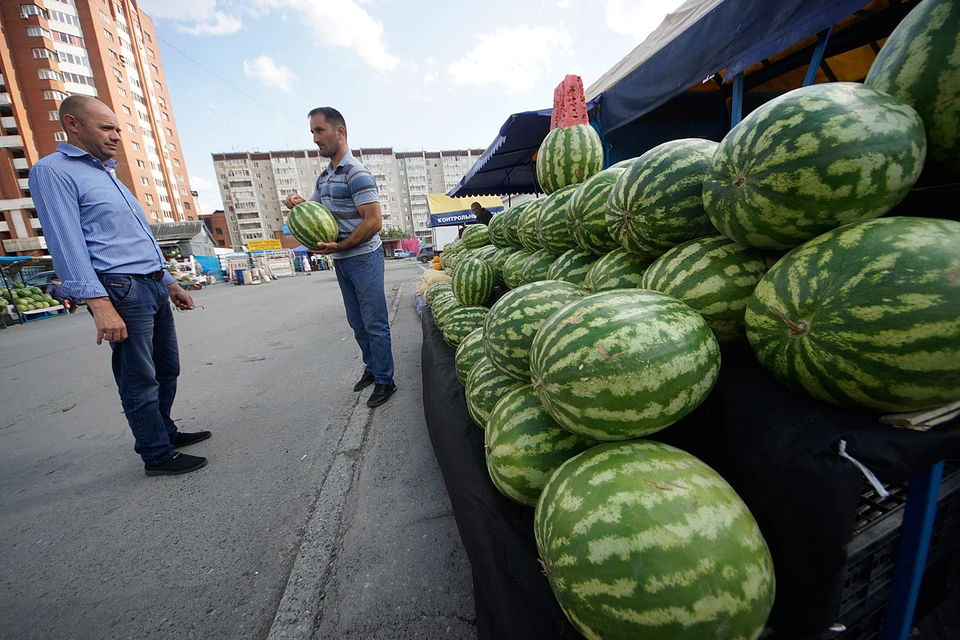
147	363
361	283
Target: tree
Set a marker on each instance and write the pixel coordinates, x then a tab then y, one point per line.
392	234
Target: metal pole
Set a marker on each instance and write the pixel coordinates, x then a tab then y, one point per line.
818	51
736	105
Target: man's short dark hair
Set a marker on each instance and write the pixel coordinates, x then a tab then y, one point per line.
329	114
474	204
77	106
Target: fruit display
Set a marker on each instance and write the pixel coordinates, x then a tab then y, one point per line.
310	222
571	266
25	298
568	155
866	315
527	226
535	267
468	354
513	267
812	160
618	269
475	236
497	231
552	228
460	322
484	387
642	540
587	211
473	281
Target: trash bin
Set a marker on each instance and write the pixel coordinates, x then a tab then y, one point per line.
240	273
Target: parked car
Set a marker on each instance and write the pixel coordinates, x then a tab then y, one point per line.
402	254
426	254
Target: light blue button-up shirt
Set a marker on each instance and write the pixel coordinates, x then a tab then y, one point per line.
91	221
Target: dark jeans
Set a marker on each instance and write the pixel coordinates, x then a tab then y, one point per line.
361	283
147	363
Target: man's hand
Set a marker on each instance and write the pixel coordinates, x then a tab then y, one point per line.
110	326
181	299
292	200
325	248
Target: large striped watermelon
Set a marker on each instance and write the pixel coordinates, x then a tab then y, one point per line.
497	231
310	222
535	267
622	364
485	386
713	275
568	156
468	354
461	322
658	202
515	319
475	236
812	160
527	226
524	445
552	227
435	289
866	315
499	260
587	212
920	65
513	267
443	305
511	223
571	266
641	540
616	270
473	281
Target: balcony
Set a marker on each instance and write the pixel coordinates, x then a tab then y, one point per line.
24	244
21	164
35	223
11	142
16	204
3	81
24	183
5	100
9	122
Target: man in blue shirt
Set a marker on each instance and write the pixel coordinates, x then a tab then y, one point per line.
103	251
349	191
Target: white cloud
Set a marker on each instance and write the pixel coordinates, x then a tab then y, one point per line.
515	57
638	18
209	198
341	24
430	77
269	73
197	17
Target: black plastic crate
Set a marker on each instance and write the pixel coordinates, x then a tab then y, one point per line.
872	555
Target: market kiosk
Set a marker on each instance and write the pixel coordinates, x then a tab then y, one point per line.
850	557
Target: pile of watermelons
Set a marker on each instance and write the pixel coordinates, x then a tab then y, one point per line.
624	281
26	298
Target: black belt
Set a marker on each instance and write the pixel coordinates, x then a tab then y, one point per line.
156	275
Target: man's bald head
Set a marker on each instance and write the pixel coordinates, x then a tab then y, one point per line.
90	125
77	106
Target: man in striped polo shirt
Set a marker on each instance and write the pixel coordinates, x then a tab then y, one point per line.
348	190
104	251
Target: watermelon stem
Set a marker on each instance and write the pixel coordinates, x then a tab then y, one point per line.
797	329
545	566
739	181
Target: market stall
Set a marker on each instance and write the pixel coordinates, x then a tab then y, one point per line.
20	302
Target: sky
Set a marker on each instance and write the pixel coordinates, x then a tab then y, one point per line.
407	74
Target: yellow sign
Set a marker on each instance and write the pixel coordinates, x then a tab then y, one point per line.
264	245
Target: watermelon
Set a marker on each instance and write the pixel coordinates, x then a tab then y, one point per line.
643	540
657	203
616	270
511	223
812	160
713	275
497	231
623	164
587	212
568	156
473	281
622	364
535	267
484	387
461	322
435	289
475	236
552	227
865	315
310	223
571	266
513	267
527	226
919	64
516	318
444	304
498	261
524	445
468	354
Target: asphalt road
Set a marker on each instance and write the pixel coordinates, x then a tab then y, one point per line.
315	518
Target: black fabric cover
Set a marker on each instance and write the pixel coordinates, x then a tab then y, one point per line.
778	449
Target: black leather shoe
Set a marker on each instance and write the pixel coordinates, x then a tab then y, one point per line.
185	439
365	381
381	393
175	465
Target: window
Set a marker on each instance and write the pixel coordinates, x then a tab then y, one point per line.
147	36
160	183
126	110
149	50
117	74
60	136
104	17
149	198
176	162
49	74
163	114
144	181
171	146
135	146
158	85
131	128
140	164
69	38
45	53
180	177
38	32
65	18
155	70
169	131
123	92
113	54
54	95
53	115
108	35
153	213
33	10
183	191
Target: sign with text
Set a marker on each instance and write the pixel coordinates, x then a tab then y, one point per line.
264	245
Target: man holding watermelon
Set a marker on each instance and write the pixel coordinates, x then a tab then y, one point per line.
347	189
103	250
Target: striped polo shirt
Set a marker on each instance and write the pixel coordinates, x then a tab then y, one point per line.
342	190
